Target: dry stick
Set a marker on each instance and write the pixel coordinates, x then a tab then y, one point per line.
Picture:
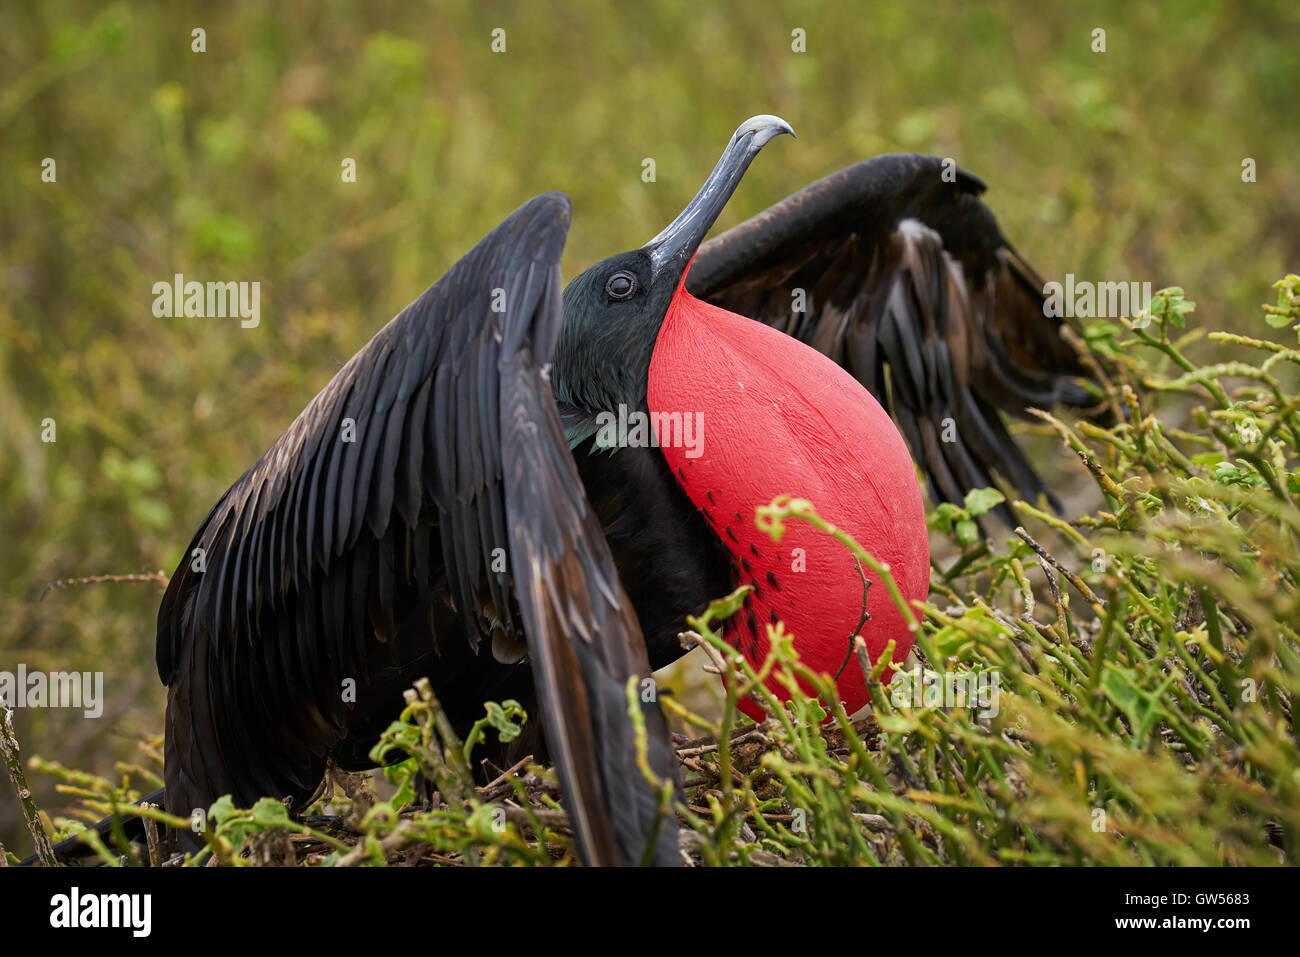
555	820
1098	603
864	658
692	639
691	841
151	838
741	736
158	577
1061	618
399	840
9	748
505	775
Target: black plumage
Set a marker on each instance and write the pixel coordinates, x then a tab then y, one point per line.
369	545
909	284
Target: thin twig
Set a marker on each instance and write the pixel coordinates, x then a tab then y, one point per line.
158	577
522	817
741	736
9	749
866	587
1091	596
692	639
505	775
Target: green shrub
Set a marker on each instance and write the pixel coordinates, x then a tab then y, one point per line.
1145	657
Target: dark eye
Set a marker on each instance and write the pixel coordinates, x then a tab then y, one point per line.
621	285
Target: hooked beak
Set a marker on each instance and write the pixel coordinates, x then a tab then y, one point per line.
671	251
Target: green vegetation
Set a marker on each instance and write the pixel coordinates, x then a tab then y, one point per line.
1117	165
1143	659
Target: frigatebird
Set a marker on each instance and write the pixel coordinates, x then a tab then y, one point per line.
454	504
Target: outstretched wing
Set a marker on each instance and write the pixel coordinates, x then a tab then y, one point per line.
894	268
421	517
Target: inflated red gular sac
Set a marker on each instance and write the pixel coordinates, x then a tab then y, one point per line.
750	413
773	416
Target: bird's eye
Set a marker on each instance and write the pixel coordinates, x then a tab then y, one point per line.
621	285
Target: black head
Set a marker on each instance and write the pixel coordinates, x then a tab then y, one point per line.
613	311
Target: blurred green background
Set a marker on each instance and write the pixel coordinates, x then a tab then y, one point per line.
225	165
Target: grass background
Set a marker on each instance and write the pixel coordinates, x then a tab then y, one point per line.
225	165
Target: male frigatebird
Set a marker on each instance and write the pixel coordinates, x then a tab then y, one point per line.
451	504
